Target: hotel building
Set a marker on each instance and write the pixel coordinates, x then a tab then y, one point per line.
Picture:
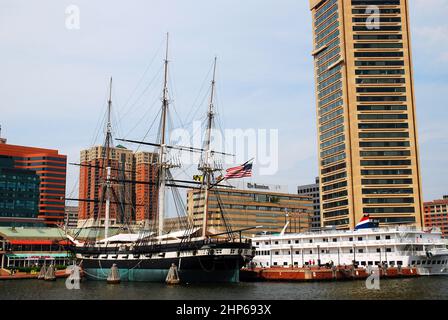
145	194
367	135
249	207
92	180
51	167
131	202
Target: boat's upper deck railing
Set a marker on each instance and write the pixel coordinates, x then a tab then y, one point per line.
364	231
222	240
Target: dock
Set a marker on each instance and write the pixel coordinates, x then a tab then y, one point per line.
6	275
294	274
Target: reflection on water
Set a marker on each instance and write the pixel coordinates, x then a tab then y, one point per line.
410	289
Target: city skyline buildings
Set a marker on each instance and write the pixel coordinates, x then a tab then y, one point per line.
368	146
289	79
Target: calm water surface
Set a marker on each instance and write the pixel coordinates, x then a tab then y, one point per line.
417	288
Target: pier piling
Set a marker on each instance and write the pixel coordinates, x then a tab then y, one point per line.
114	275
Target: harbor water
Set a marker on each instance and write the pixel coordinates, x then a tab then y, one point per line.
422	288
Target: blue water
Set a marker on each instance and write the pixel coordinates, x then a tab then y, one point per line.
409	289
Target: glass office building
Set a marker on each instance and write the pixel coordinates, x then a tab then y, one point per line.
19	194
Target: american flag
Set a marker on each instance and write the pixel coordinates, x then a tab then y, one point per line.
241	171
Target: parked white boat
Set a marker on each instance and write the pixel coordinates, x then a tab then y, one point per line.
392	246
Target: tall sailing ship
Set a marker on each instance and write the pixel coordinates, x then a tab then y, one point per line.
199	254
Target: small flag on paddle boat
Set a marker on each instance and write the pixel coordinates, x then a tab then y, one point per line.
241	171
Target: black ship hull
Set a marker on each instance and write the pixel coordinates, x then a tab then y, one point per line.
196	262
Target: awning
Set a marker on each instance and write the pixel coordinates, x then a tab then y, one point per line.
178	234
38	255
40	242
127	237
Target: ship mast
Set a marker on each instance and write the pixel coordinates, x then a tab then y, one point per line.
206	166
108	167
162	149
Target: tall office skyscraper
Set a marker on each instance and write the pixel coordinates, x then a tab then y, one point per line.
368	152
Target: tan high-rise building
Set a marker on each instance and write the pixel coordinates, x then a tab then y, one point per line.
368	150
239	209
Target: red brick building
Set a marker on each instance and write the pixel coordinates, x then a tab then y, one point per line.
146	194
52	170
138	201
92	176
436	215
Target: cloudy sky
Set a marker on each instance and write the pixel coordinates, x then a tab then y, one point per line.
53	79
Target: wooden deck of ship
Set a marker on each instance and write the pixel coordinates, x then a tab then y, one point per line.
321	274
